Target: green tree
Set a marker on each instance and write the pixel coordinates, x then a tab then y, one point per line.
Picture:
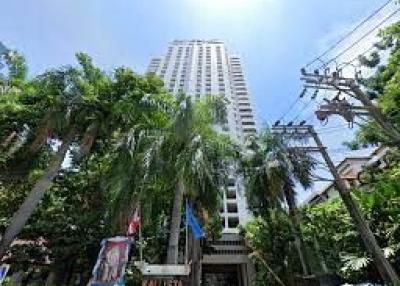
383	86
83	105
273	169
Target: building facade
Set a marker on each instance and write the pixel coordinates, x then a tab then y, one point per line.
205	68
349	169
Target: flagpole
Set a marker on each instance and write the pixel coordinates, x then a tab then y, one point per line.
140	236
186	234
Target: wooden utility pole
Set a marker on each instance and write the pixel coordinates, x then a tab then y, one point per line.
386	271
349	86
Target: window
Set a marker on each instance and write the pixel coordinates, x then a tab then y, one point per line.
248	123
231	194
232	208
233	222
245	109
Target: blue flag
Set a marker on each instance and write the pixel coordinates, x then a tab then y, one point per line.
191	221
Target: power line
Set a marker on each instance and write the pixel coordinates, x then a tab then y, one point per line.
345	64
318	58
289	109
362	37
331	127
305	106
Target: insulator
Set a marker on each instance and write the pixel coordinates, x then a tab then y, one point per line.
302	122
316	72
303	71
290	123
315	94
277	122
303	92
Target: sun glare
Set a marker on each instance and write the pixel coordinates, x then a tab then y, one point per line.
234	3
229	6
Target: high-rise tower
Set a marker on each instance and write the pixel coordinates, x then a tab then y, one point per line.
202	68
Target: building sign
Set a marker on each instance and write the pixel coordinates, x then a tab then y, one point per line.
162	282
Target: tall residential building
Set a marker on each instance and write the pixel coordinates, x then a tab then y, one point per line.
203	68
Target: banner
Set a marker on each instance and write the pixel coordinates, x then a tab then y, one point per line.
111	262
3	272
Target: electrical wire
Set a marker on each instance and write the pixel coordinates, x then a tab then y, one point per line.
318	58
305	106
331	131
289	109
345	64
343	52
325	129
387	18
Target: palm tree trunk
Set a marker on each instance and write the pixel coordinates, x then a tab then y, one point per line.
298	240
388	274
8	140
24	212
172	252
88	140
321	260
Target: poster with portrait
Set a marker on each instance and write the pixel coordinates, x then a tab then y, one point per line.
111	262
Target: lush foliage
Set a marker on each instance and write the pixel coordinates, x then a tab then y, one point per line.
383	85
332	240
129	141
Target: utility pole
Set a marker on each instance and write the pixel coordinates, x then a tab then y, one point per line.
386	271
349	86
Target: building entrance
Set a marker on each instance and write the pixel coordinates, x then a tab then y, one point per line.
221	275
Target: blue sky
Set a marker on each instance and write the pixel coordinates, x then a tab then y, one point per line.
275	38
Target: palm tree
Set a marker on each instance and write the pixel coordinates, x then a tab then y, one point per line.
199	159
82	104
183	154
58	119
273	169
